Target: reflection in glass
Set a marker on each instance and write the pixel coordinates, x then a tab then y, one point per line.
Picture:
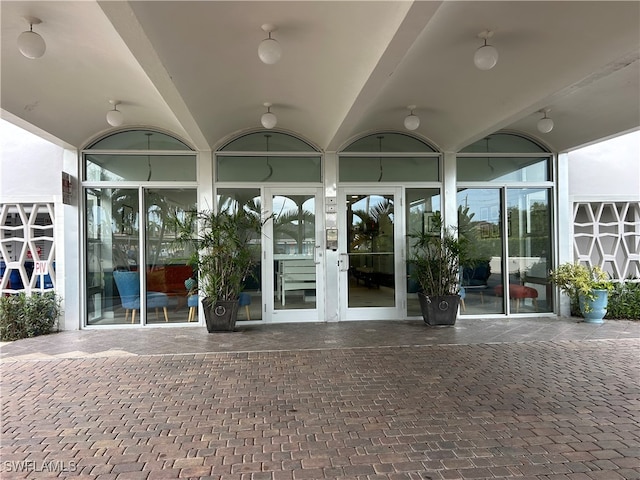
231	199
388	169
393	142
529	233
278	142
270	168
142	168
370	240
421	205
389	157
112	223
294	241
139	140
504	143
479	214
166	263
502	169
114	261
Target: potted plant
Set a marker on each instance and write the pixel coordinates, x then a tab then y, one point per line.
225	246
587	287
435	260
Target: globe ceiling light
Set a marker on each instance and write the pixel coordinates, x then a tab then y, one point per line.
30	44
486	56
545	124
269	49
115	117
268	119
411	121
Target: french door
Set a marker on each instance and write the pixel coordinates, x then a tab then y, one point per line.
371	258
293	270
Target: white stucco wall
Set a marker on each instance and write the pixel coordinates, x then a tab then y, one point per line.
609	170
29	167
30	172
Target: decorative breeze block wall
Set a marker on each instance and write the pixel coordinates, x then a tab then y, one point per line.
607	234
26	236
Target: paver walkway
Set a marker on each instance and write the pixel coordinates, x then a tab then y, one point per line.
364	400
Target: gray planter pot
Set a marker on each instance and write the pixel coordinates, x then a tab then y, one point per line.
220	316
439	310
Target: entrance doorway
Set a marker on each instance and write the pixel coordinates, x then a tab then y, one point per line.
294	259
370	251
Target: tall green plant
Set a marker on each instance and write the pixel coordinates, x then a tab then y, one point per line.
224	250
436	260
624	301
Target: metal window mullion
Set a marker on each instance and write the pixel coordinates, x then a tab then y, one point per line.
142	261
505	155
390	154
139	152
505	251
268	154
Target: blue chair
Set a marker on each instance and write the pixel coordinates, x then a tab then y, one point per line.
192	297
463	294
192	303
128	284
244	300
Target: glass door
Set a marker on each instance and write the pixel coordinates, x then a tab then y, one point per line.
370	246
294	255
480	212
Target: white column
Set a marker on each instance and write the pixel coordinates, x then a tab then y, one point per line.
69	253
449	194
564	232
332	276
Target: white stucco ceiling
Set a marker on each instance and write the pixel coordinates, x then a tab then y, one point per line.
348	67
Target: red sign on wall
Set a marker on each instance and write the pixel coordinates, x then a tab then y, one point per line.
40	268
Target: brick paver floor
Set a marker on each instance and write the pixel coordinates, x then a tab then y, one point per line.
538	409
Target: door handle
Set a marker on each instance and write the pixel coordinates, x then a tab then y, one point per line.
317	255
344	262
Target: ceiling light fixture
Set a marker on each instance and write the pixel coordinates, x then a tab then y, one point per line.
268	119
486	56
30	44
115	117
545	124
269	49
411	121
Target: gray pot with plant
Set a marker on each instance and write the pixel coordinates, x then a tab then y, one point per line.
435	258
225	246
587	287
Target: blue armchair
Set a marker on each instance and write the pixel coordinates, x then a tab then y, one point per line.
128	284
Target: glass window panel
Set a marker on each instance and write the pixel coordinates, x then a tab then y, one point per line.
268	142
504	143
167	263
370	237
269	169
389	169
294	232
479	214
139	140
502	169
421	204
389	142
529	234
232	199
112	222
118	168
